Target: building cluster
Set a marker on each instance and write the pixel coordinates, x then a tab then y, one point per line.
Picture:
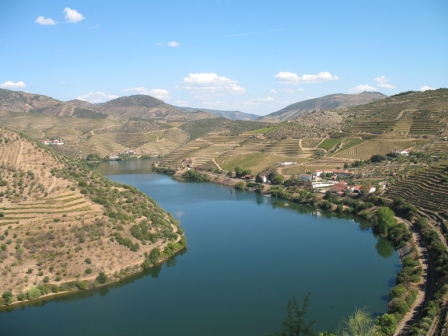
116	156
53	142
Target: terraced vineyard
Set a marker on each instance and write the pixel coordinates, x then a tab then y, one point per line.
411	113
427	189
56	214
228	149
365	150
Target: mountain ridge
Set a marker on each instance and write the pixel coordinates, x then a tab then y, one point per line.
325	103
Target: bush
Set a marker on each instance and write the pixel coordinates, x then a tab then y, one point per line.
102	278
7	297
88	271
34	293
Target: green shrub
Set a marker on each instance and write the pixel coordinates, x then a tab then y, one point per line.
101	278
34	293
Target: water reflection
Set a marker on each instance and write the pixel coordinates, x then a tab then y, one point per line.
102	291
384	248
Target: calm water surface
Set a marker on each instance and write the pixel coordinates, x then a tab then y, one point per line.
247	255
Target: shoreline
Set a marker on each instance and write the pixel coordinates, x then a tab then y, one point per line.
50	296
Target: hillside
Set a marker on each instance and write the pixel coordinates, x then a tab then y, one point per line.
17	101
61	225
330	102
147	107
137	107
406	114
232	115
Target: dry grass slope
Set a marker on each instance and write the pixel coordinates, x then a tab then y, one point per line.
55	215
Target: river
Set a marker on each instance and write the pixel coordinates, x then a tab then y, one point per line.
247	255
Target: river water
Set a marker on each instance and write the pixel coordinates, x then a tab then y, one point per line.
247	256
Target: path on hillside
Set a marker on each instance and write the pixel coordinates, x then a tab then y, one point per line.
216	163
425	288
19	156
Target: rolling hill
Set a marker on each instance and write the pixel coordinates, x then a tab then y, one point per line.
136	107
330	102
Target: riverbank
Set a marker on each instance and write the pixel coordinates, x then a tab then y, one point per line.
367	213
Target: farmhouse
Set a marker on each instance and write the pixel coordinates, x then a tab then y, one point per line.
339	188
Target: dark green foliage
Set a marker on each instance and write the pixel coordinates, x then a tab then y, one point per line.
294	324
101	278
195	176
7	297
397	291
325	205
387	324
240	185
126	242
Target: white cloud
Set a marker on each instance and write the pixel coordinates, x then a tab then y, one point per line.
96	97
362	88
12	85
294	79
387	86
426	88
158	44
158	93
173	44
72	15
383	82
381	79
46	22
211	83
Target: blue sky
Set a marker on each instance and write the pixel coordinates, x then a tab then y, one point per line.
252	56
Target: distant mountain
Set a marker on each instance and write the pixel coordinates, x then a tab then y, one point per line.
137	107
147	107
330	102
232	115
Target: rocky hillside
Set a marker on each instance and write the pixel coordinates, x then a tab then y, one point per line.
64	227
137	107
330	102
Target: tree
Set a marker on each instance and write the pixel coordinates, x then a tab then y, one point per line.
102	278
34	293
387	324
384	220
359	324
7	297
278	179
294	324
240	185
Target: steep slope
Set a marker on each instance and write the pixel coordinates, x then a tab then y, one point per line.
62	225
405	114
330	102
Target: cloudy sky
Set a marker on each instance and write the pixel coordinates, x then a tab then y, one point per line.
247	55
